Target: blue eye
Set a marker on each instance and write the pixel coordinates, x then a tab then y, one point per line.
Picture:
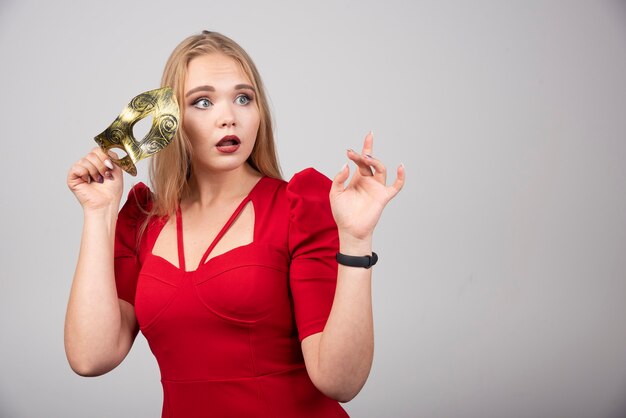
202	103
243	99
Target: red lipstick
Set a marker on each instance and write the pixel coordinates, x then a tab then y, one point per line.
228	144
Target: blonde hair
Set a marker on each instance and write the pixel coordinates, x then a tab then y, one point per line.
170	168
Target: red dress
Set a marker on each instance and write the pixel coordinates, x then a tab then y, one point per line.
227	335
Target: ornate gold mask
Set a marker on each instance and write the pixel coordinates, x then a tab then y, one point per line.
161	103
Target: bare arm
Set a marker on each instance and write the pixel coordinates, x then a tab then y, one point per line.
339	359
99	327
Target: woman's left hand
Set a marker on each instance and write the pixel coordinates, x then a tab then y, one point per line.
358	206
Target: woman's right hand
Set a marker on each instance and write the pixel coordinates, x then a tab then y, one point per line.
96	182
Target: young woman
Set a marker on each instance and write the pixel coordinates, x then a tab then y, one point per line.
229	271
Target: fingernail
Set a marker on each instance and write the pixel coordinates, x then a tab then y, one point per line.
88	179
402	165
371	132
100	179
368	156
109	164
350	150
108	175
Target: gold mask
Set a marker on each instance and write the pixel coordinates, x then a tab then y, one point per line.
161	103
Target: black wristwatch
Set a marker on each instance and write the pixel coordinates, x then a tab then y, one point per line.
365	261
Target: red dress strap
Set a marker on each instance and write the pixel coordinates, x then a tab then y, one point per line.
179	239
224	229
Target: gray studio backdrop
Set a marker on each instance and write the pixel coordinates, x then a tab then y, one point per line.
501	289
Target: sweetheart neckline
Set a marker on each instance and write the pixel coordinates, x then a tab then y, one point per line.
200	266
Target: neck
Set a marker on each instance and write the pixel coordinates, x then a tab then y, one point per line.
206	189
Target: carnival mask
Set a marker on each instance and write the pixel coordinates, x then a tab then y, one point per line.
161	103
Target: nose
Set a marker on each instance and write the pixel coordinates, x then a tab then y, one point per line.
227	118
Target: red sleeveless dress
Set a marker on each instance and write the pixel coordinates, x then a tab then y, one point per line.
227	335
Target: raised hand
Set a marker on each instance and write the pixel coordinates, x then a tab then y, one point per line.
357	207
96	182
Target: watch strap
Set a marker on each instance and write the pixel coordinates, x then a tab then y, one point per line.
365	261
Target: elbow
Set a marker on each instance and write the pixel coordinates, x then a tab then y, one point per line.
343	396
85	372
79	362
87	365
84	368
341	390
90	362
340	374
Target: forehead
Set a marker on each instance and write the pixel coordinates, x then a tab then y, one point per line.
214	69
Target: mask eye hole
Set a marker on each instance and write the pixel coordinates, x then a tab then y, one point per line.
142	127
121	153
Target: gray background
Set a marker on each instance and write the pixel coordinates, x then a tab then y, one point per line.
502	281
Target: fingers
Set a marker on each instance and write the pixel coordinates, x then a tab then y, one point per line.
340	180
397	185
366	163
114	155
368	144
78	173
362	165
95	166
380	172
369	166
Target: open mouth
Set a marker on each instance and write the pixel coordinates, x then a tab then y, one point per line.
229	143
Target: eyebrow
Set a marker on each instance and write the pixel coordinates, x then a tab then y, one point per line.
211	88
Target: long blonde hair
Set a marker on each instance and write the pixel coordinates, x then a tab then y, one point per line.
170	168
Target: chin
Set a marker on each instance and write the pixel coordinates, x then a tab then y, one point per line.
225	165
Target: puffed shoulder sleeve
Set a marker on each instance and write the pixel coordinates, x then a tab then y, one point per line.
313	244
126	251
